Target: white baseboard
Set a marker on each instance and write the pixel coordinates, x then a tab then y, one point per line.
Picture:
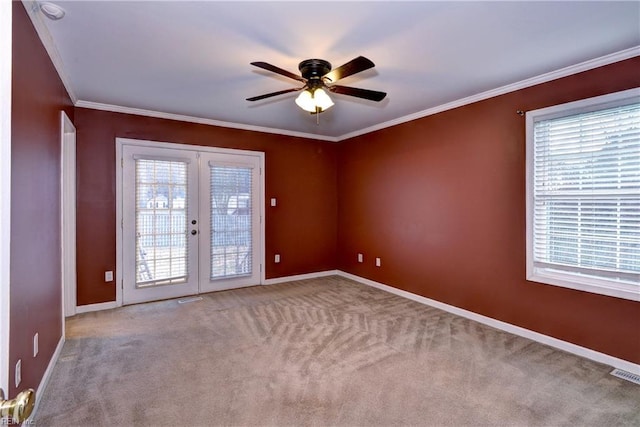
114	304
45	379
507	327
96	307
301	277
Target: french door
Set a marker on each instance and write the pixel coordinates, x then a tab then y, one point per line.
190	222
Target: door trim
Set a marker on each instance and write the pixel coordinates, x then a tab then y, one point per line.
68	215
6	36
120	142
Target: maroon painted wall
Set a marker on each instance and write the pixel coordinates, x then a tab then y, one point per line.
38	96
442	201
300	173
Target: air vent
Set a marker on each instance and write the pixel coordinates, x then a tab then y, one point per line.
190	299
634	378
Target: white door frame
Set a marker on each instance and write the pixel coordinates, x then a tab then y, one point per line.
120	142
131	293
68	215
5	186
205	245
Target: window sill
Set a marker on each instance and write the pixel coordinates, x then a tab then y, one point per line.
624	290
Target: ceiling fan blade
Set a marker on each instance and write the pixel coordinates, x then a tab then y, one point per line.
352	67
274	69
269	95
372	95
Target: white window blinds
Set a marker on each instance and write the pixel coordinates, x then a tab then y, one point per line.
586	194
161	222
231	221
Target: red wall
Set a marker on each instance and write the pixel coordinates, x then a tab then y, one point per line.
300	173
441	201
38	96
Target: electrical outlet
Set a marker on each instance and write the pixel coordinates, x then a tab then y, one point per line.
18	375
108	276
277	258
378	263
273	201
360	258
35	345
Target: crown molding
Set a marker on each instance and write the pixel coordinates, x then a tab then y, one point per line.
47	40
50	46
543	78
170	116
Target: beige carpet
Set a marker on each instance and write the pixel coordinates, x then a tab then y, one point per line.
320	352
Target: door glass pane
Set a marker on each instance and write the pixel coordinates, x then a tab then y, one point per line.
161	222
231	214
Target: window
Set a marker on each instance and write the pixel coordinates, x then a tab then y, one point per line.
161	222
231	220
583	195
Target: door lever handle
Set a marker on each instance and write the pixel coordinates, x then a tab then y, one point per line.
18	409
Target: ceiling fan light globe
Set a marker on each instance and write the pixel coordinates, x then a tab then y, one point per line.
322	100
306	102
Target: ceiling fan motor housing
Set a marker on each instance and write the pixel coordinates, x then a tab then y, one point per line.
314	69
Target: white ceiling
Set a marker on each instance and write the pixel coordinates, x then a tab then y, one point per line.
192	58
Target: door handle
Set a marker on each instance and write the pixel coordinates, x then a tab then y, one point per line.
194	232
18	409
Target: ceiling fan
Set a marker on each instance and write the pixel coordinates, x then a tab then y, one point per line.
317	75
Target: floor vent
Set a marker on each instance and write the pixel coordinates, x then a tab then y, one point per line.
190	299
634	378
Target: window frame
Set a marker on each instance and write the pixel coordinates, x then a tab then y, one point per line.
556	276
